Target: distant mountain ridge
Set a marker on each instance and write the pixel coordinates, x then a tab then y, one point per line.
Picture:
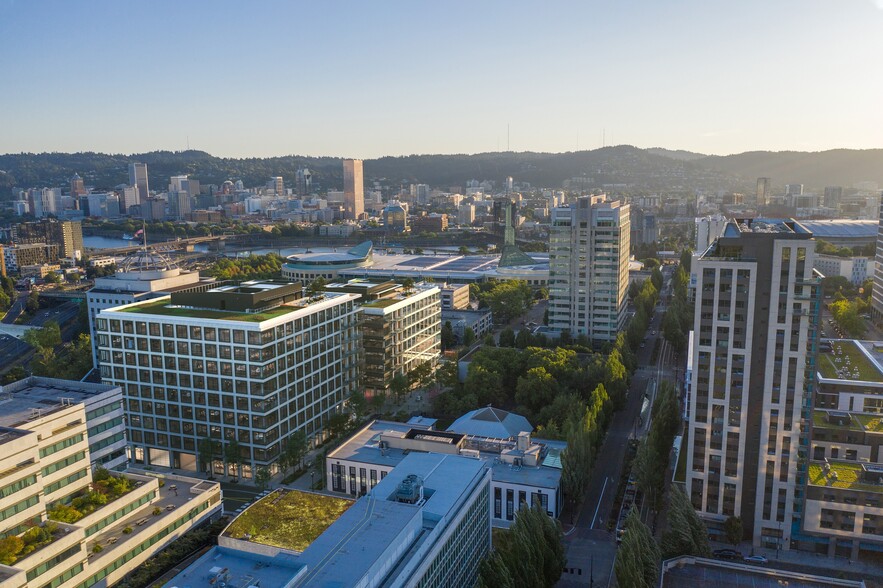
655	169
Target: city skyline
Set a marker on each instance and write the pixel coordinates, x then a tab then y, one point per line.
400	78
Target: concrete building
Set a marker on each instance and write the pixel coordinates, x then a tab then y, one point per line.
253	362
833	194
843	512
877	293
400	332
50	432
855	269
466	215
523	470
395	217
138	178
141	276
425	524
19	256
454	296
481	322
429	223
753	371
67	235
353	189
77	187
588	268
764	191
708	229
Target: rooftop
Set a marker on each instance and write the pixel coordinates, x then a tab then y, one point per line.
491	422
238	569
850	476
162	307
842	228
871	423
832	419
848	360
32	397
710	573
287	519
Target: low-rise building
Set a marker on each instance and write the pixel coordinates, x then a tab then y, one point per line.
856	269
524	471
454	296
47	487
480	321
19	256
426	524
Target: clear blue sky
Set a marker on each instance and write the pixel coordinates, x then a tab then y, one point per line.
371	78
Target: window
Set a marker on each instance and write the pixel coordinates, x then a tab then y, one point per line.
510	504
353	480
498	503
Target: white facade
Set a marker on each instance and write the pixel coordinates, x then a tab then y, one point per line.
588	268
191	375
708	229
855	269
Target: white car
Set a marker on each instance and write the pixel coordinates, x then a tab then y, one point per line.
758	559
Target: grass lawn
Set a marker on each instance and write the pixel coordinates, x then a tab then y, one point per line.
820	419
162	308
290	522
847	477
830	362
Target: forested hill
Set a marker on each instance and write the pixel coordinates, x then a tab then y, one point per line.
642	169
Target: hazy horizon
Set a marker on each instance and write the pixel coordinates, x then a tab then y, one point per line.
398	78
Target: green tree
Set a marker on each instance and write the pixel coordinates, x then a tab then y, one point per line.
656	278
233	455
207	449
317	286
524	339
15	374
52	278
358	404
46	337
469	337
686	534
507	337
10	547
399	386
32	304
536	389
576	461
448	339
293	450
733	530
262	477
637	561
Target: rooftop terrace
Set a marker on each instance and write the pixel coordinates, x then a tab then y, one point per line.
290	520
162	307
835	420
21	401
848	360
849	476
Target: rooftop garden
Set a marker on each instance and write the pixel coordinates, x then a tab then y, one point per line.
105	488
14	548
162	308
845	361
382	302
873	424
290	520
820	419
848	477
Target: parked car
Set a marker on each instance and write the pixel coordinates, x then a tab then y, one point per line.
731	554
758	559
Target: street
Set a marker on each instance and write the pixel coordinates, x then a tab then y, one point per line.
591	547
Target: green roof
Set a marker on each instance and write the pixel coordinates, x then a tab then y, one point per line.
820	419
162	307
381	303
848	477
288	519
845	361
872	424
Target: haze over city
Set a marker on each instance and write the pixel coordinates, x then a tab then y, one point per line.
373	79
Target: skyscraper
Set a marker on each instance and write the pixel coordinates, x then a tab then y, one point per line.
753	358
877	291
763	191
833	194
138	178
353	189
304	179
588	268
77	187
278	185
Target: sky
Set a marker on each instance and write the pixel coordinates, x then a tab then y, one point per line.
368	79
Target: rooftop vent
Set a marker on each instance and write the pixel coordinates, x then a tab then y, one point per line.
410	490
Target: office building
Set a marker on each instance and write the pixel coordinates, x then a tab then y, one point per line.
253	362
128	199
764	189
708	229
523	470
50	431
454	296
395	217
877	293
843	513
793	189
588	268
833	194
753	375
141	276
480	322
77	187
856	269
353	189
44	202
466	215
400	332
429	223
425	524
278	185
138	178
304	180
67	235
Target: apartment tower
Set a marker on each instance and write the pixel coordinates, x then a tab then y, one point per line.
877	293
753	358
353	189
588	268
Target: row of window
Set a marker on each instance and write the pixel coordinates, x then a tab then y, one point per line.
54	486
101	411
115	422
10	489
92	529
54	467
18	507
63	444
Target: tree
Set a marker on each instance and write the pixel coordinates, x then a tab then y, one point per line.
686	533
536	389
358	404
576	463
656	278
207	449
46	337
53	278
469	337
262	477
448	339
399	386
316	287
733	530
407	286
524	339
507	337
337	423
10	547
15	374
233	455
637	562
293	450
32	304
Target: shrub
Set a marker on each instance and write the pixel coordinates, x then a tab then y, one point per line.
157	511
10	547
65	513
97	548
100	475
127	530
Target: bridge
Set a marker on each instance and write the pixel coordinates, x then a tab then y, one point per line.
162	246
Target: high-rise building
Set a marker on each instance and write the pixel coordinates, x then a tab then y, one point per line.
708	229
67	235
353	189
77	187
44	202
252	363
793	189
833	194
588	268
278	185
138	178
877	292
304	179
753	375
466	215
763	191
128	199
